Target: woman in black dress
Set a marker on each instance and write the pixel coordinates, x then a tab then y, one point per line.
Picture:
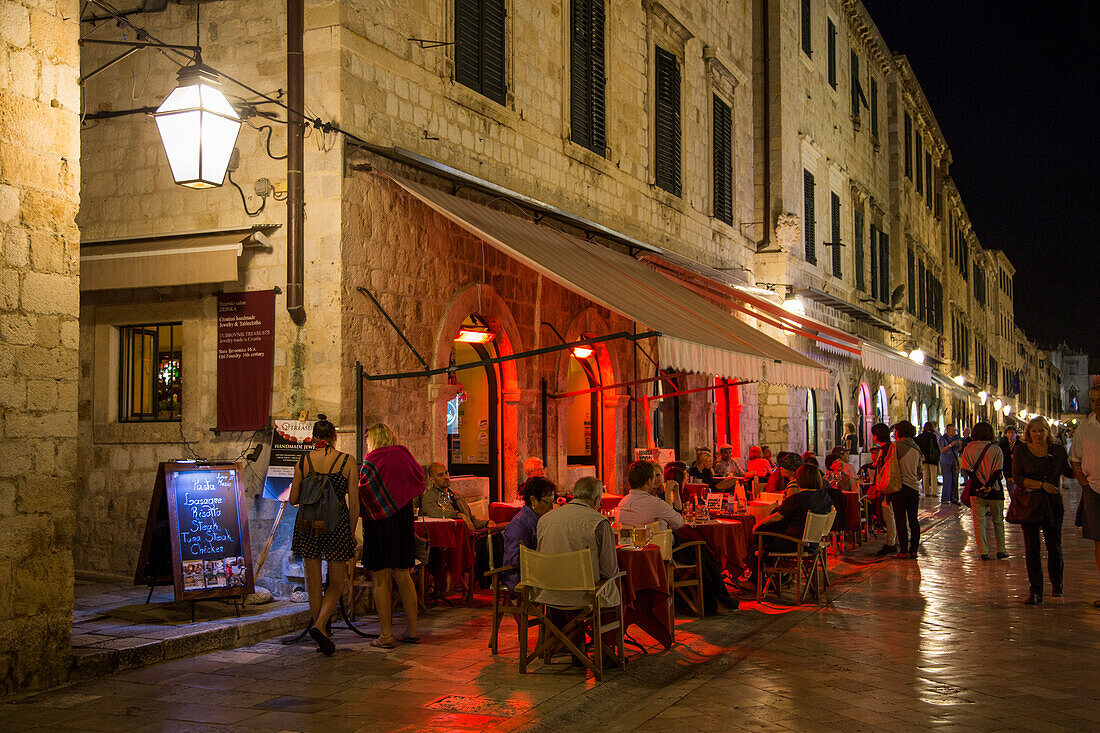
1037	468
337	546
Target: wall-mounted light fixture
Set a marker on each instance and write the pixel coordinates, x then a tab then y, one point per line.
198	128
959	380
917	355
474	336
997	404
983	396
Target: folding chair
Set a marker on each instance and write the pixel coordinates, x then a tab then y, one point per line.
803	561
567	571
505	602
685	579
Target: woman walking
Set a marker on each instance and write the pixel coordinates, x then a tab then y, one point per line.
983	464
906	500
336	545
391	478
1038	465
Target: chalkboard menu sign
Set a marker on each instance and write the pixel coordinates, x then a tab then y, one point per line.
197	533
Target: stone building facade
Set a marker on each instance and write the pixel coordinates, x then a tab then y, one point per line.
39	305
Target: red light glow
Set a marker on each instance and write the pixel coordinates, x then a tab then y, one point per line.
474	336
583	352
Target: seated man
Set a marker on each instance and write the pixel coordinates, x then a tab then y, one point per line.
782	479
538	498
790	518
727	465
644	505
533	468
579	525
439	502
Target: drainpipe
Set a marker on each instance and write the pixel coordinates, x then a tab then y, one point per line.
765	49
295	205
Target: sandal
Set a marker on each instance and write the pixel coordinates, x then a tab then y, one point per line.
323	642
407	639
379	643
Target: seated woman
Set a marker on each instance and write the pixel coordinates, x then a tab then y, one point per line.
675	476
538	495
790	518
837	482
702	472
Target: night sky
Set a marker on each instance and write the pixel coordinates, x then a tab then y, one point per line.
1013	86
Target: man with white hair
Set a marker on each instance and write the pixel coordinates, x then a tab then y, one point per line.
533	467
579	525
1084	457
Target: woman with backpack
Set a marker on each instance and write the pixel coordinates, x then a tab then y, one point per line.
327	496
982	462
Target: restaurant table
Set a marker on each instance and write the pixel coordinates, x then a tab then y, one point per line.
646	592
851	511
452	538
726	540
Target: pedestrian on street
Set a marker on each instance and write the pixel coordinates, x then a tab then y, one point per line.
983	461
1008	445
1038	465
1084	456
906	501
929	443
880	433
950	447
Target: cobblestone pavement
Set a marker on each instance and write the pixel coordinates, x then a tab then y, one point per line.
944	644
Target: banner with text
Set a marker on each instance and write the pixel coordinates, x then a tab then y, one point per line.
290	440
246	359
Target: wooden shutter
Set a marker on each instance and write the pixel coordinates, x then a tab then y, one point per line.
668	121
908	146
723	161
929	178
910	262
922	300
808	223
857	242
468	43
479	47
884	267
856	91
873	245
588	117
874	108
831	40
807	26
918	159
834	200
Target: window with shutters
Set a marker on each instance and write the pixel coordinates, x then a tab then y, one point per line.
667	112
830	38
918	158
874	108
479	47
834	205
928	179
588	78
908	146
809	226
873	246
857	243
922	296
884	267
723	161
807	26
910	268
150	388
859	101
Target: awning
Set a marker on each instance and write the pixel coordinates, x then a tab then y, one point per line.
189	258
849	309
696	336
950	384
892	362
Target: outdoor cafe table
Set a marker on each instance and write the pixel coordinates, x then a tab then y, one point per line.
851	510
646	592
502	512
725	538
452	537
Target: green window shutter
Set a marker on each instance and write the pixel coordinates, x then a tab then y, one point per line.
910	262
479	47
873	245
808	223
807	26
723	161
668	122
831	39
874	108
857	90
834	202
588	120
929	176
857	242
922	299
884	267
918	161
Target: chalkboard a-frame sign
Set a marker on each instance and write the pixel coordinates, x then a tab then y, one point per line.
196	535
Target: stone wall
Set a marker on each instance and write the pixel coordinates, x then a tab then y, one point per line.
39	303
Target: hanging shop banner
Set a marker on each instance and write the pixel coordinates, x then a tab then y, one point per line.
246	359
290	440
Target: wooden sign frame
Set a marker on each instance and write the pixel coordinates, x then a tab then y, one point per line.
165	491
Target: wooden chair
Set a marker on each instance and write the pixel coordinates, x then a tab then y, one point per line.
505	602
803	562
567	571
685	579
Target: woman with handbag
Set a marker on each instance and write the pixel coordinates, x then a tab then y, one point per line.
1037	468
982	462
903	492
336	545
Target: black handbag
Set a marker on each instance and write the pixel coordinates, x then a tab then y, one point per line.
974	487
1031	506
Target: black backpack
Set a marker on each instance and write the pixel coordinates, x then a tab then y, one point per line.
320	506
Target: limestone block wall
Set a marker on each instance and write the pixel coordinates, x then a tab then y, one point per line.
127	190
39	303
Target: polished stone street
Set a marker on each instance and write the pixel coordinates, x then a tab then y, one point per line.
943	644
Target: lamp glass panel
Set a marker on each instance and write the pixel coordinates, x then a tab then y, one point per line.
185	97
179	133
218	136
215	101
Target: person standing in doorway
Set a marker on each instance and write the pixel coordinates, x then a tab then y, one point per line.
950	446
929	444
1084	456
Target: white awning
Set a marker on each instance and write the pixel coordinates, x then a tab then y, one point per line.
163	260
696	335
892	362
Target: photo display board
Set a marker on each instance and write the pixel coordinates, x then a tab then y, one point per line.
207	532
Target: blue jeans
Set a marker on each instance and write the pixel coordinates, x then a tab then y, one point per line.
950	490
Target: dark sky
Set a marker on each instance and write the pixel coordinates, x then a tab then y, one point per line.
1013	86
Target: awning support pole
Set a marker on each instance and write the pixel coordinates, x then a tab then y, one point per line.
545	423
509	357
359	413
697	389
590	390
400	333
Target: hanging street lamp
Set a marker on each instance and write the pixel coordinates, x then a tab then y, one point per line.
198	128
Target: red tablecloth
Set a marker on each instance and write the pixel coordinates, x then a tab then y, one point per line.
697	491
609	502
502	512
646	592
851	510
726	540
452	537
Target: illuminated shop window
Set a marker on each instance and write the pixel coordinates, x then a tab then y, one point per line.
150	385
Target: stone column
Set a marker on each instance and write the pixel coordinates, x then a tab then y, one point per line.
39	305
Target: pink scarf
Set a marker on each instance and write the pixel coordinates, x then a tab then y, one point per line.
389	479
